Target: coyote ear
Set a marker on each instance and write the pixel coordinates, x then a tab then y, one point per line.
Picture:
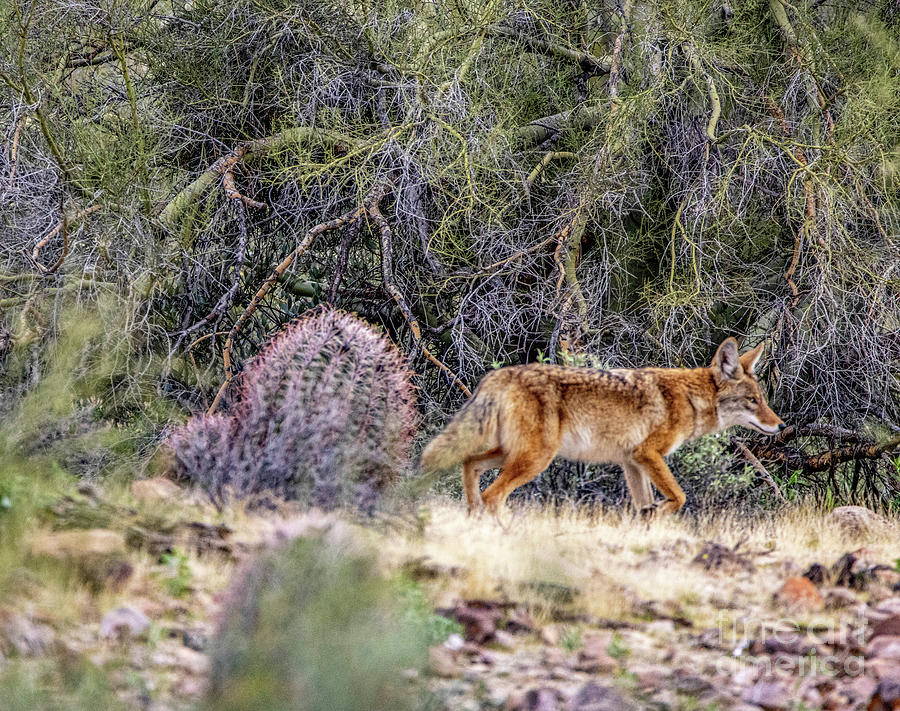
751	358
726	363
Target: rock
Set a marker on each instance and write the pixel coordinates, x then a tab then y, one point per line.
883	669
886	697
77	544
550	635
544	699
504	640
838	598
886	646
455	642
594	697
799	593
665	700
20	636
767	695
192	662
888	627
891	606
191	686
648	676
520	621
660	627
479	618
123	622
715	556
792	644
194	639
854	520
593	657
860	688
442	661
686	682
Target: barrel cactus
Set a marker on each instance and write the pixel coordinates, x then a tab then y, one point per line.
325	414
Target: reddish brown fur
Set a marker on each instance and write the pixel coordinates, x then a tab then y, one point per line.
521	417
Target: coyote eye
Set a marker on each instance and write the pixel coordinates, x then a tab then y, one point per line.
754	401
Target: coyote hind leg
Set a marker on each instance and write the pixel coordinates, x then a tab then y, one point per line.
517	471
473	468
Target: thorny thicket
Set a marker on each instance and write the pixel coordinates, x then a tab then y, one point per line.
613	183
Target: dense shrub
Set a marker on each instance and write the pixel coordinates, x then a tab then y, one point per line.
325	414
313	628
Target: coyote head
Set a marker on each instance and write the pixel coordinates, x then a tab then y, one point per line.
740	399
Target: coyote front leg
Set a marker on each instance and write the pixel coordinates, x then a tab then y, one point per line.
651	462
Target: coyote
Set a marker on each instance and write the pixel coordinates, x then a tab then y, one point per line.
521	417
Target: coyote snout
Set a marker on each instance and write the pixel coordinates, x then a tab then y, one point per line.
521	417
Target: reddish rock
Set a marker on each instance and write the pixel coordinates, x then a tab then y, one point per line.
889	627
799	593
593	657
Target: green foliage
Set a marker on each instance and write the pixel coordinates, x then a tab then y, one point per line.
617	648
70	685
420	615
178	576
571	639
314	628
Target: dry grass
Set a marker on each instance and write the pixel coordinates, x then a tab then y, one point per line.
614	562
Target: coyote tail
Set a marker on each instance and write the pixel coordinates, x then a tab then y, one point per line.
474	429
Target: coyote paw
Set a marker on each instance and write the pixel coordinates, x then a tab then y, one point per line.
649	512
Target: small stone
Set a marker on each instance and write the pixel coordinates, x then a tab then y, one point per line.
888	627
593	657
647	676
190	686
839	598
77	544
665	700
660	627
455	642
550	635
799	593
504	640
192	662
768	695
594	697
884	669
544	699
194	639
884	647
860	688
154	489
891	606
443	661
123	621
